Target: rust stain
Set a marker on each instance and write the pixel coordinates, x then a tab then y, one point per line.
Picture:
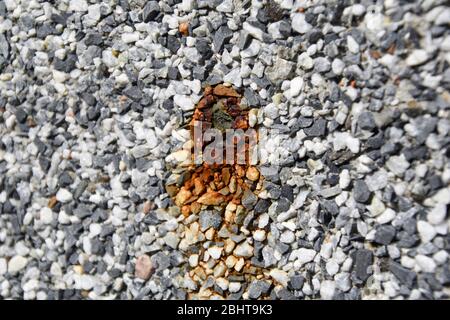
219	186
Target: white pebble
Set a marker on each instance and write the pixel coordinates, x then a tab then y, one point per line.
387	216
234	287
303	255
352	45
296	86
440	257
332	267
344	179
3	266
426	231
437	214
63	195
337	66
299	23
417	57
425	263
327	289
259	235
46	215
184	102
16	264
215	252
279	276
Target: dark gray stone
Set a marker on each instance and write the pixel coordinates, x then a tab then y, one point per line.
385	234
199	73
82	211
161	261
410	225
262	206
21	115
243	40
210	218
221	37
93	38
65	179
151	11
172	73
361	192
285	294
330	206
366	121
362	259
257	288
93	113
249	199
415	153
252	97
317	129
296	282
133	93
376	141
203	47
283	205
406	276
80	189
88	98
173	44
97	247
66	65
44	30
88	266
285	28
301	123
287	192
407	240
4	46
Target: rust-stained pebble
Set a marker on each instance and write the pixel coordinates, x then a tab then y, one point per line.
208	90
226	175
195	207
182	196
221	90
252	174
147	206
172	190
212	198
52	202
185	210
199	186
183	27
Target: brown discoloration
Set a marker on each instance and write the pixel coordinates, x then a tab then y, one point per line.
221	90
144	268
52	202
252	174
212	198
375	54
182	197
218	187
199	186
391	49
183	27
148	205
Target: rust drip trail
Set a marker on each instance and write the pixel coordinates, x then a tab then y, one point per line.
224	248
